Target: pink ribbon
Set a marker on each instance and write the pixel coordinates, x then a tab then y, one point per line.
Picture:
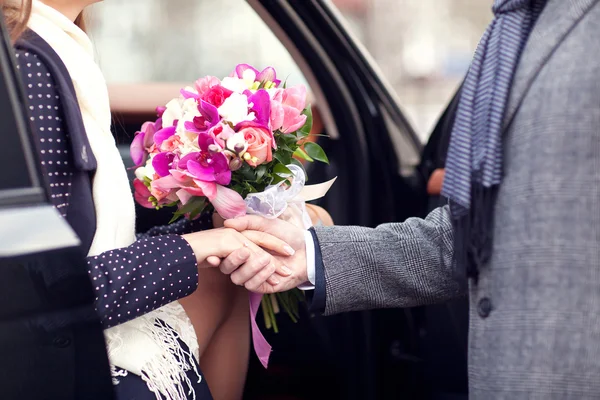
261	346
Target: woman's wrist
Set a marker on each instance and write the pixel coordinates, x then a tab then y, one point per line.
194	240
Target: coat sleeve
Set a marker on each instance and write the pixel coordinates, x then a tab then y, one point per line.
394	265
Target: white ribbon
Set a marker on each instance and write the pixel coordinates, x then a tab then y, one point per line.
275	199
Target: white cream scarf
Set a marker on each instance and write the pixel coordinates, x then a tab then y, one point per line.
139	346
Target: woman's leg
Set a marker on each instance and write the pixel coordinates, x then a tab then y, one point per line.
225	360
219	312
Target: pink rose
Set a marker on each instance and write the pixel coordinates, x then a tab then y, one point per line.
203	84
260	144
286	109
216	95
170	144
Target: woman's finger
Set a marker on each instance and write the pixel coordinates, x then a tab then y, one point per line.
280	269
269	242
213	261
258	281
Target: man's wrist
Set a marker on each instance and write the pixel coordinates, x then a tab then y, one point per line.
310	262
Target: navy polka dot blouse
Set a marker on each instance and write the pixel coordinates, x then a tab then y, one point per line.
160	267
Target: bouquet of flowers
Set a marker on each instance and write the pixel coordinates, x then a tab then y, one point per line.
230	145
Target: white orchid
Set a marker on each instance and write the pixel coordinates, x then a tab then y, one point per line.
146	171
235	109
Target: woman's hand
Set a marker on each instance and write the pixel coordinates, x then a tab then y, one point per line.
217	221
255	265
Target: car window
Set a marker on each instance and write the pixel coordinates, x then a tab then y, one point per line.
140	41
422	47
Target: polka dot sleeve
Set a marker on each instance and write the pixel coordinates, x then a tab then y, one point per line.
128	282
150	273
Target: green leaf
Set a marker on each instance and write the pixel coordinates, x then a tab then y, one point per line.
315	151
260	172
198	211
309	120
283	158
195	203
303	155
285	146
290	140
247	172
175	217
282	171
249	188
192	205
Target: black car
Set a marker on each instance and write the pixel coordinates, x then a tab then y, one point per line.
383	172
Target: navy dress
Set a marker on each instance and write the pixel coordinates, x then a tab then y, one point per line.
160	267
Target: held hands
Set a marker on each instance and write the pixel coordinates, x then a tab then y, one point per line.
256	268
265	233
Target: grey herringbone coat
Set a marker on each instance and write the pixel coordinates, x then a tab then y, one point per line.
535	313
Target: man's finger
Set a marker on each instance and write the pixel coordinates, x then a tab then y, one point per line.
263	279
248	222
269	242
255	265
234	260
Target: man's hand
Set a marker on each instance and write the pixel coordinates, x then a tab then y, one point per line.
257	230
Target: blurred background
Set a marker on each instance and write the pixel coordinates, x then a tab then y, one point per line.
423	47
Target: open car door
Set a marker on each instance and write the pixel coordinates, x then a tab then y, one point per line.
376	155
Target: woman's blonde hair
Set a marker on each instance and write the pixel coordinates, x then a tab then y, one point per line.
17	13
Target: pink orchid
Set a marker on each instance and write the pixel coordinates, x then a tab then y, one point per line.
260	105
266	75
164	189
221	133
143	141
142	194
205	165
228	203
209	117
162	163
